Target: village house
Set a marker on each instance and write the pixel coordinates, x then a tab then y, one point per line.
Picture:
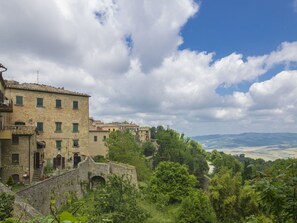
144	134
99	132
18	148
60	117
97	139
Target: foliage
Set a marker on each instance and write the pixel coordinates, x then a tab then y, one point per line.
153	132
231	201
6	205
278	190
99	159
259	219
170	183
117	201
10	181
175	148
221	160
196	208
167	214
148	148
123	148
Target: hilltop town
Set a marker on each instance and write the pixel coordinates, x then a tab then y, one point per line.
43	126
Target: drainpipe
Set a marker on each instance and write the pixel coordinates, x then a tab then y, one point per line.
30	159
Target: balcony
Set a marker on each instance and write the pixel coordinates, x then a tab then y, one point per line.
6	106
21	129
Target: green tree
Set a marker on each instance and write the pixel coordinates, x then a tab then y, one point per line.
196	208
153	132
278	190
175	147
221	160
148	148
124	148
117	201
231	201
172	182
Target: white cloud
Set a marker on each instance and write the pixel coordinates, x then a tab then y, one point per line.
82	45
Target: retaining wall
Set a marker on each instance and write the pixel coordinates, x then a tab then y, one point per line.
62	187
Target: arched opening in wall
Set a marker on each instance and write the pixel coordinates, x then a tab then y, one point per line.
97	181
76	159
16	178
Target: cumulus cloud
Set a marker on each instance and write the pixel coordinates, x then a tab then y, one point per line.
126	57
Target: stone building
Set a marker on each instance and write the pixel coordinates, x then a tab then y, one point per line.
21	156
60	117
144	134
97	139
5	108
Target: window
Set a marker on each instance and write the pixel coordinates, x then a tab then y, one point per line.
104	137
19	123
39	102
95	138
75	143
19	100
75	104
40	126
59	144
58	127
58	103
15	139
74	127
15	159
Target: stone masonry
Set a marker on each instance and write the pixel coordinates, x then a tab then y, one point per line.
72	183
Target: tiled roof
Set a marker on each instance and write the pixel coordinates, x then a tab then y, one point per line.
41	87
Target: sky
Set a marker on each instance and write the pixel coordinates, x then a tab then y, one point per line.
199	67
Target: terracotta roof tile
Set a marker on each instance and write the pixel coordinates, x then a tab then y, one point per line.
41	87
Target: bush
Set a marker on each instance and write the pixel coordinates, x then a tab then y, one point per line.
6	205
171	181
10	181
196	208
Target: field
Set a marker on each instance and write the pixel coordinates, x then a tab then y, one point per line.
263	152
268	146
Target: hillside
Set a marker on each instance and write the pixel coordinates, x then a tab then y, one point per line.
257	145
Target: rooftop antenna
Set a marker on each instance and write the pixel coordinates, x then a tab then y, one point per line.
37	76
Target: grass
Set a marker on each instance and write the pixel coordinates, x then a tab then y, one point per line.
164	215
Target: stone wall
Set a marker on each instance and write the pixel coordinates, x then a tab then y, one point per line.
21	209
124	169
59	188
72	183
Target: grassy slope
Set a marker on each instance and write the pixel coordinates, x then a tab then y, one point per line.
164	215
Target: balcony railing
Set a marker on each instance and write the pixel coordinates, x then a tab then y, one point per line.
21	129
6	106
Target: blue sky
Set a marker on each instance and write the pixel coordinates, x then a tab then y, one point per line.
253	27
201	67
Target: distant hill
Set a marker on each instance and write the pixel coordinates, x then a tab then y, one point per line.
268	146
280	140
